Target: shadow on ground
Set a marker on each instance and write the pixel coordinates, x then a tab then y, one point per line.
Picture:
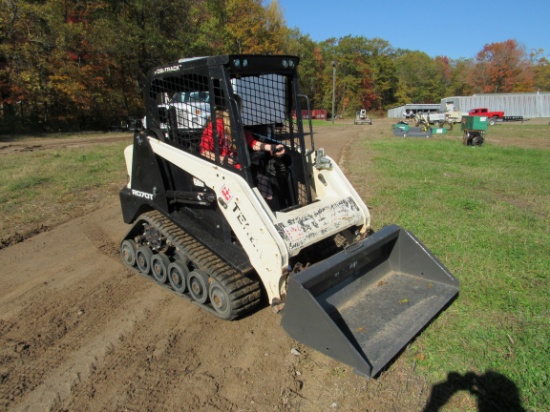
493	392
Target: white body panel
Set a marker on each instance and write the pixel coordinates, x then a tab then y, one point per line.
128	156
268	238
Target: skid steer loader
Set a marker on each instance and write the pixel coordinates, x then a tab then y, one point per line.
361	117
241	210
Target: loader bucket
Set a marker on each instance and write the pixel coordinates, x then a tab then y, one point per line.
364	304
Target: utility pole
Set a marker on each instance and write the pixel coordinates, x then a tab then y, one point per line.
333	88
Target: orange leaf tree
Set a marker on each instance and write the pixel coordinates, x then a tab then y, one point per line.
501	68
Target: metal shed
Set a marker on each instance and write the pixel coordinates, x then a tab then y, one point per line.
528	105
512	104
398	112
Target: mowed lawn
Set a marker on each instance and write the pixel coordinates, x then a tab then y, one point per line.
485	213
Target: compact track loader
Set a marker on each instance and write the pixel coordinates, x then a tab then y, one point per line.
361	117
233	228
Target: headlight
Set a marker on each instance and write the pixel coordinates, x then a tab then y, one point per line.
288	63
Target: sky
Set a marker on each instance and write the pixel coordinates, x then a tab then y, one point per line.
456	29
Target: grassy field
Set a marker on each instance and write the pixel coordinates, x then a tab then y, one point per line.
485	212
45	187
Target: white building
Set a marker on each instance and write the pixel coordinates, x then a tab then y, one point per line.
528	105
411	109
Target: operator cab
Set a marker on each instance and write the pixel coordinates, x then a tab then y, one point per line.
184	97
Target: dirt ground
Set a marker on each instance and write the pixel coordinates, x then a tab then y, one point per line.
81	332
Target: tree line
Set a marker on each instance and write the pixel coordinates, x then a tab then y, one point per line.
81	64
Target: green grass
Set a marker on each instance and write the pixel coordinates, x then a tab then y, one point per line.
321	123
536	131
51	182
485	213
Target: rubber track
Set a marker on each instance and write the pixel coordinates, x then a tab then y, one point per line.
244	292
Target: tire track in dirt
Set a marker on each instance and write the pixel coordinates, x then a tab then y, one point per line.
79	321
157	355
190	357
56	304
77	365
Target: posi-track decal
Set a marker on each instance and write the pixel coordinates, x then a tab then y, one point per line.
167	69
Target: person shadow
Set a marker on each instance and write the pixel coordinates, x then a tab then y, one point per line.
494	392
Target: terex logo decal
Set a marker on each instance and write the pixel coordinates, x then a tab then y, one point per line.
226	193
245	224
144	195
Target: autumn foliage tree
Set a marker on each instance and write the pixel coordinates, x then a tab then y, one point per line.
365	74
501	68
73	65
82	64
384	73
541	70
311	65
421	79
252	28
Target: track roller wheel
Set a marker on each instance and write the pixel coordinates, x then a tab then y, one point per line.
197	283
128	252
143	259
159	267
177	276
220	300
